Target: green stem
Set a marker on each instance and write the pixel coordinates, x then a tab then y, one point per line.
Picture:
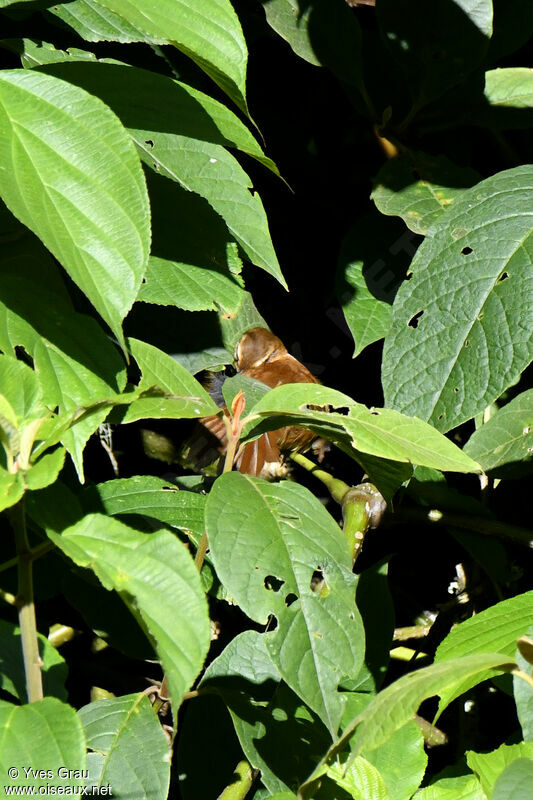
356	516
233	443
201	551
244	777
336	487
26	607
33	555
362	505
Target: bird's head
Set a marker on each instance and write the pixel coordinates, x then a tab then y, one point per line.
257	346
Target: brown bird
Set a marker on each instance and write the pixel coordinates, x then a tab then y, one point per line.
261	355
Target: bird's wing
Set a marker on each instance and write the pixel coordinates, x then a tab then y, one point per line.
256	454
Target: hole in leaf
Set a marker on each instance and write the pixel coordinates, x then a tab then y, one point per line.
344	410
503	276
272	583
290	599
168	489
413	322
143	280
466	251
317	580
374	412
23	355
456	389
467	342
441	416
272	623
149	142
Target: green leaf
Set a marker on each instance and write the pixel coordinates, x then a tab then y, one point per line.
505	443
395	705
511	87
181	394
76	363
45	470
233	326
509	93
33	52
361	780
461	326
495	629
464	787
106	615
132	747
523	695
9	432
151	497
419	188
187	111
288	19
156	577
253	390
318	639
401	761
438	45
68	172
277	732
212	172
374	601
488	766
20	386
372	264
11	488
7	415
195	259
46	735
12	680
515	781
380	432
54	508
69	385
324	32
95	23
283	796
206	30
175	283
